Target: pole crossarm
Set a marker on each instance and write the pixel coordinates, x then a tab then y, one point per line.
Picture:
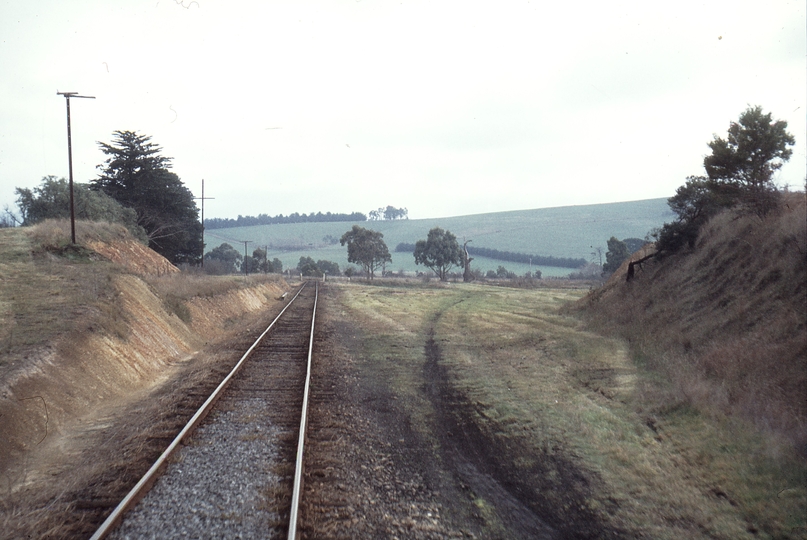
246	269
69	95
203	199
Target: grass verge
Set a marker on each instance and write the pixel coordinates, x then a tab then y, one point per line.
542	385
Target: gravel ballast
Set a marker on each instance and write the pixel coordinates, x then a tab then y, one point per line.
215	486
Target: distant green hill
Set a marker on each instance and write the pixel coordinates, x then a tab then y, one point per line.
567	231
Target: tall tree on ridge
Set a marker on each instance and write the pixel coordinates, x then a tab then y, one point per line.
742	165
137	176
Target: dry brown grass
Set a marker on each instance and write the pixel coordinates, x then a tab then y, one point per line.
81	335
725	323
186	286
54	234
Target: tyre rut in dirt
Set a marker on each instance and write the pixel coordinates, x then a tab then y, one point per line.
256	413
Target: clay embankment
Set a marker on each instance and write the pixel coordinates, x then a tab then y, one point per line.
120	340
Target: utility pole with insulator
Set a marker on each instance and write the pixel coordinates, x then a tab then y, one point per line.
67	96
246	270
203	198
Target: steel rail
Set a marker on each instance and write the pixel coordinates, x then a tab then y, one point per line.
143	485
298	468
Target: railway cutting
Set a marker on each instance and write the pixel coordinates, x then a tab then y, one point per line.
234	474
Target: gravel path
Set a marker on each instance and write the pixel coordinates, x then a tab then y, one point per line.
216	486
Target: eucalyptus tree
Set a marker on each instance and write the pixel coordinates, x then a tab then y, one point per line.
440	252
366	248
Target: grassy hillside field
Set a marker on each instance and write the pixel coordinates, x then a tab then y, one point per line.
569	231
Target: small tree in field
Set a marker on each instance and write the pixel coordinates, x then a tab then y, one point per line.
440	252
366	248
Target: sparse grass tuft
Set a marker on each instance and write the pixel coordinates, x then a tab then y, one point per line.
176	306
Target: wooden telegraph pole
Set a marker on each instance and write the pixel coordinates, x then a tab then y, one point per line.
67	96
203	198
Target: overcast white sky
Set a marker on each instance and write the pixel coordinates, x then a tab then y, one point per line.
446	108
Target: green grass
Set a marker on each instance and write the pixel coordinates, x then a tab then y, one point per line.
569	231
536	379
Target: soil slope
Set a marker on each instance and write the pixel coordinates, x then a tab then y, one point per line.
726	321
87	330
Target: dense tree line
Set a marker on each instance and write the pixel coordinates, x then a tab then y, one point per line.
539	260
264	219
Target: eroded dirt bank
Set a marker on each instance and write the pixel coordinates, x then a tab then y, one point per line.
130	351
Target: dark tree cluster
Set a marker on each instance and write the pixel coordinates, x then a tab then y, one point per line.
137	176
225	259
258	262
501	273
510	256
739	173
619	251
264	219
308	267
615	256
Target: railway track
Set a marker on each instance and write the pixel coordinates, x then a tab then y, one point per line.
235	469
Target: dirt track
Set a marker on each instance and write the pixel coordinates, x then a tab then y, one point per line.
372	473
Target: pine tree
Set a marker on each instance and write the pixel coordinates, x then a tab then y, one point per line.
137	176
